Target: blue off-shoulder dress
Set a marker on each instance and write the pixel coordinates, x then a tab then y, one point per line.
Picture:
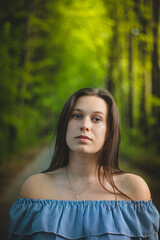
38	219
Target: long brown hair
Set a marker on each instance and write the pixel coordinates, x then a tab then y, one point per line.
108	155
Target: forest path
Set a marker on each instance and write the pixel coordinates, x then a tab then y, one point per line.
11	192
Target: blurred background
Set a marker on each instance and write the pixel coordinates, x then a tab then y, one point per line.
48	50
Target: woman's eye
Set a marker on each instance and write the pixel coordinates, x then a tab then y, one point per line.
76	116
96	119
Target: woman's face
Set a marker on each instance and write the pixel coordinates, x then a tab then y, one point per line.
87	126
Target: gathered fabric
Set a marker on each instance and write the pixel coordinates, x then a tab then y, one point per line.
41	219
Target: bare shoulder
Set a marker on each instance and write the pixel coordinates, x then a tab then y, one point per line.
134	186
31	186
39	185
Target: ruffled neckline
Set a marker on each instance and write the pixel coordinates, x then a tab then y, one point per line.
110	202
76	219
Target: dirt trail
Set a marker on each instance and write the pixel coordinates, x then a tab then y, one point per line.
11	192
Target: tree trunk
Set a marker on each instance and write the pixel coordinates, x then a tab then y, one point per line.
130	77
110	84
155	73
155	65
113	55
25	57
143	126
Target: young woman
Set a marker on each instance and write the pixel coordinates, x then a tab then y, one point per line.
83	194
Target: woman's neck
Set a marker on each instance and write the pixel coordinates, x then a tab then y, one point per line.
82	165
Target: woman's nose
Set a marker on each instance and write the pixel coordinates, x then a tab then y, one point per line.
83	128
85	125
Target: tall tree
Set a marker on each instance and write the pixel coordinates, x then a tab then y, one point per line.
142	49
130	77
156	71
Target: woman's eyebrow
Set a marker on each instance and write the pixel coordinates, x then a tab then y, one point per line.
77	109
98	112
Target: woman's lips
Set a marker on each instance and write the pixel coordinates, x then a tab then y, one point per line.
83	138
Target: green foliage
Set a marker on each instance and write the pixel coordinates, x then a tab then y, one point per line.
49	49
144	158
